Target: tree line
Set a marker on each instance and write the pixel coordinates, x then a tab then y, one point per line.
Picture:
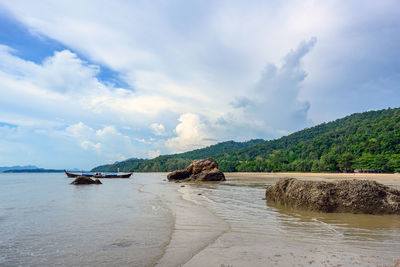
368	141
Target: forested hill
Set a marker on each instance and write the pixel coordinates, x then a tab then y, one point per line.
369	141
175	161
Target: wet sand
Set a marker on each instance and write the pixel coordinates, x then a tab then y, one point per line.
264	234
270	178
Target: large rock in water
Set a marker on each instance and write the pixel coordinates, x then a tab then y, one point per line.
85	180
353	196
199	170
179	175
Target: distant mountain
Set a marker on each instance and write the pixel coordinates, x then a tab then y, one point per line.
368	141
31	167
75	170
37	170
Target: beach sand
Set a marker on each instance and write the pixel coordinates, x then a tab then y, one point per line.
264	234
271	178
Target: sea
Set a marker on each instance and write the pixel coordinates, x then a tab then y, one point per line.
148	221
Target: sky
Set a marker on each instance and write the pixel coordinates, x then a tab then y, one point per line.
84	83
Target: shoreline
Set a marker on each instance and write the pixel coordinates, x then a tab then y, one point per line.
268	178
267	235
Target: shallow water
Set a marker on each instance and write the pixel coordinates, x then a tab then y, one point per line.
264	234
146	221
44	221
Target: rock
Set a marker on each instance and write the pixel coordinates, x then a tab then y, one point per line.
85	180
201	165
199	170
179	175
352	196
212	175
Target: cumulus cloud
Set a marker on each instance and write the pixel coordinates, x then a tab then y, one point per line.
191	133
62	72
273	104
65	72
106	141
63	80
79	131
158	129
44	97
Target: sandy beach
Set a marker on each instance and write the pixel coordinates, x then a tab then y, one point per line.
264	234
268	178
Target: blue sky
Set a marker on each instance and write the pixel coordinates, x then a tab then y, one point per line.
137	79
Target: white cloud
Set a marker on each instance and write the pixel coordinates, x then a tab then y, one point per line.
69	85
272	107
39	93
107	141
191	134
89	145
158	129
79	131
275	99
65	72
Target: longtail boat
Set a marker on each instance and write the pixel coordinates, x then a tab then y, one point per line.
99	175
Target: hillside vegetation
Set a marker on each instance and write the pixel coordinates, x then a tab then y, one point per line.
369	141
168	163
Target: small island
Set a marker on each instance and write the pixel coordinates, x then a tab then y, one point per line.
37	170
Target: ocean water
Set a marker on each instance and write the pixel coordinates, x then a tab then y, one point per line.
147	221
45	221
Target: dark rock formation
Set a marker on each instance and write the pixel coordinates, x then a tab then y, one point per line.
85	180
201	165
353	196
199	170
212	175
179	175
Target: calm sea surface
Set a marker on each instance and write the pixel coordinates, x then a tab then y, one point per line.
146	221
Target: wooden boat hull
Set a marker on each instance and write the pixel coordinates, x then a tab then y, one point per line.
71	175
74	175
113	176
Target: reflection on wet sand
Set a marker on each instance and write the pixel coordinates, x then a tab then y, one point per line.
363	221
265	234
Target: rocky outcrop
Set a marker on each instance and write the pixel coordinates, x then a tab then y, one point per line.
85	180
212	175
201	165
199	170
352	196
179	175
